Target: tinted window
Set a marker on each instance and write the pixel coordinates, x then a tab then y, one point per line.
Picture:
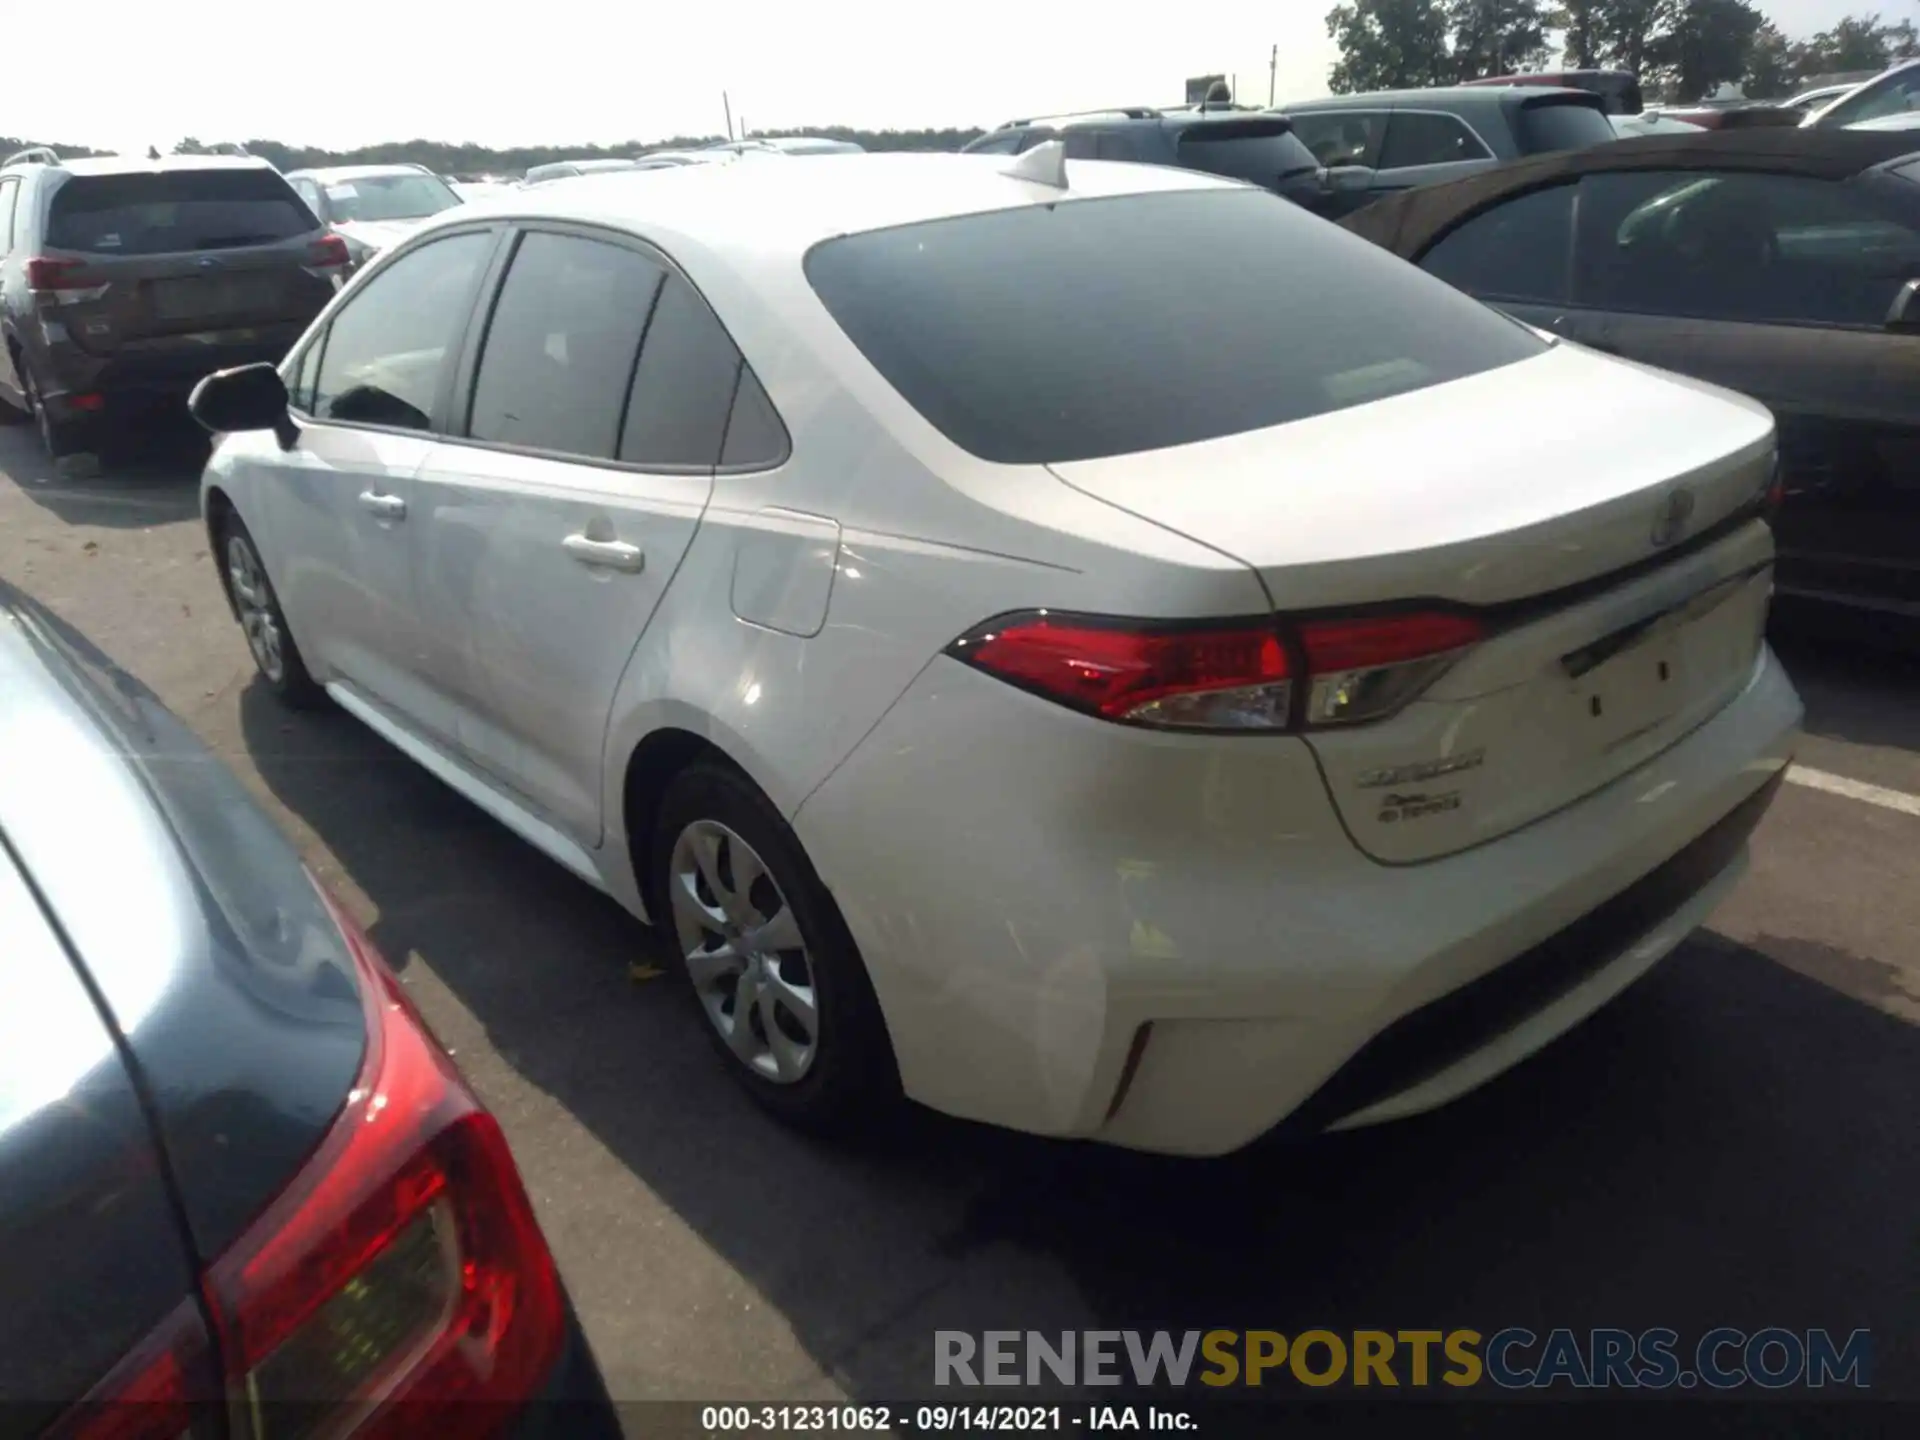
755	435
1103	327
684	386
561	345
1516	251
1562	125
1342	137
9	193
170	210
1263	159
1081	144
1741	247
1006	144
389	347
1419	138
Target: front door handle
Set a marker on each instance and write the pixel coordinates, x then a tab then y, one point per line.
387	507
605	554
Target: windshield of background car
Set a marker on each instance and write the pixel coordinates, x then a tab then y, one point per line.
1101	327
1563	125
1890	95
161	212
1262	154
389	197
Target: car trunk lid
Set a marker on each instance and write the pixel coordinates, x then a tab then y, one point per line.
1617	568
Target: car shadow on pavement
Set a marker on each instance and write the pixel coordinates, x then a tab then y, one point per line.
1729	1144
149	475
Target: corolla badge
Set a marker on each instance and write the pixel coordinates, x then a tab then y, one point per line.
1671	523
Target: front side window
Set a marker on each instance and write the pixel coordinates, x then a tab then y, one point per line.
389	349
167	211
1781	249
1518	250
1343	137
560	348
1418	137
1079	329
410	196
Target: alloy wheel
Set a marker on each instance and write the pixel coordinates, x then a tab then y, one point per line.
253	597
744	952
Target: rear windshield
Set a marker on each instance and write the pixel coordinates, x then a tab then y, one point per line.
1263	155
1563	125
1104	327
171	210
389	197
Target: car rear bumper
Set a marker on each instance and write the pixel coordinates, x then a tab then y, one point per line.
1030	889
154	374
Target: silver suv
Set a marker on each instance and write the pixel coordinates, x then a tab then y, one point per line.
124	281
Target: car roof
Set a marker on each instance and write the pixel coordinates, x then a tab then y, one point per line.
1408	222
138	165
1445	97
789	207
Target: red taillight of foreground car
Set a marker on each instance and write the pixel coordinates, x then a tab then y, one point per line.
1228	676
399	1286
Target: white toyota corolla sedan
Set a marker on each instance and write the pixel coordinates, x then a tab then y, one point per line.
1093	648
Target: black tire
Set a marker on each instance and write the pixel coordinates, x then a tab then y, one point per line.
852	1085
289	680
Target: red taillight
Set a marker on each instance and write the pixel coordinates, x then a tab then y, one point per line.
91	401
1243	675
413	1193
331	250
1229	676
399	1286
56	274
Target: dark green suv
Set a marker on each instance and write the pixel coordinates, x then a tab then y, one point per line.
124	281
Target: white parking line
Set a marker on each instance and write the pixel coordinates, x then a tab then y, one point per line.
1855	789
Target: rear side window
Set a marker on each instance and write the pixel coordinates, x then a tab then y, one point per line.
683	387
1103	327
1262	157
561	346
1423	138
168	211
1558	124
1519	250
755	436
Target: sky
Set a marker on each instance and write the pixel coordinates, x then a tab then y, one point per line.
542	72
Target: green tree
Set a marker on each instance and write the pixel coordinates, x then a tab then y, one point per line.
1389	45
1578	22
1770	70
1624	31
1859	42
1702	44
1497	37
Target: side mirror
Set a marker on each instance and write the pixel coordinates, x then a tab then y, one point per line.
1903	316
1347	179
250	397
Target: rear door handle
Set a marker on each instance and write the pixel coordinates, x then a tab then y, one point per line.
387	507
605	554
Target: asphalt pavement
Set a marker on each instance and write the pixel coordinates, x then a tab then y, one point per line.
1733	1143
